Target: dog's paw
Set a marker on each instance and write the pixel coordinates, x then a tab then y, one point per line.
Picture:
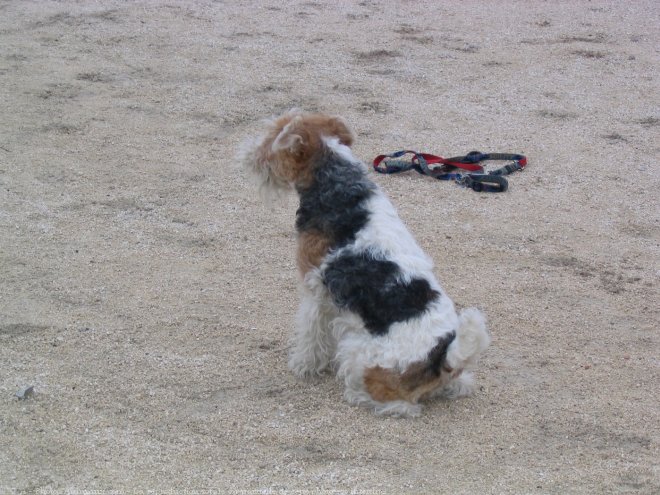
303	368
399	409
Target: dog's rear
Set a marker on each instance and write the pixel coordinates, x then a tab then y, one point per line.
444	371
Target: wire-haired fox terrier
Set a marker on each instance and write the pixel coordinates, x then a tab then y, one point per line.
371	307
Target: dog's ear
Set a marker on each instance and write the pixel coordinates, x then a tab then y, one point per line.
289	139
342	131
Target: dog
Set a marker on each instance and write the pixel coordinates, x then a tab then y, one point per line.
371	310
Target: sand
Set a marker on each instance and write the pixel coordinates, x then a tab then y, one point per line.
148	295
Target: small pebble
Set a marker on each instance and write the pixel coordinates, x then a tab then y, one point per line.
25	393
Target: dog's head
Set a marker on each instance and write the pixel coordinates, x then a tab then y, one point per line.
284	156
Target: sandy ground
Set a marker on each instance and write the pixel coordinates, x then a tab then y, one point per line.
148	295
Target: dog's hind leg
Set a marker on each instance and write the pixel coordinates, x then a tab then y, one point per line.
313	345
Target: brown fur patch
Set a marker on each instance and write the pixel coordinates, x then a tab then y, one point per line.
323	125
295	164
294	168
385	385
312	248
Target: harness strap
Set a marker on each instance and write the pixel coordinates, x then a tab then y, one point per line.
422	160
477	179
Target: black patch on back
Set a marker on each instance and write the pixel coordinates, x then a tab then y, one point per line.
372	287
335	203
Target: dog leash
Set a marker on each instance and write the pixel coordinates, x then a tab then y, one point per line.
476	179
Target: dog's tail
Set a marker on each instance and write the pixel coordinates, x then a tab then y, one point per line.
471	340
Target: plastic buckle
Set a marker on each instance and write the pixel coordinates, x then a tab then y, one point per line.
473	157
393	166
507	169
485	182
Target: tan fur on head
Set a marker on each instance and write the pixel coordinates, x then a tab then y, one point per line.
284	156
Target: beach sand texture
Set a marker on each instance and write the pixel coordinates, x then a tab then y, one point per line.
148	295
